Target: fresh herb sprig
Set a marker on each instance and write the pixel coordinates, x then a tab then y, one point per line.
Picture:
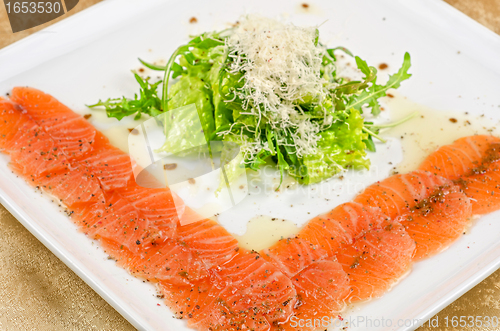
147	102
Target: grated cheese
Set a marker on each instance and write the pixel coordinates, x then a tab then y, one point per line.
282	68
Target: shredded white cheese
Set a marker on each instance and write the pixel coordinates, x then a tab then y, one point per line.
282	67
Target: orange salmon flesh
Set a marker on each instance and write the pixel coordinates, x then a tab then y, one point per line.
353	253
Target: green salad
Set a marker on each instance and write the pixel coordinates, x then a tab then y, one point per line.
275	90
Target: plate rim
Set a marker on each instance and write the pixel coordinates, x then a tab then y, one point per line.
479	31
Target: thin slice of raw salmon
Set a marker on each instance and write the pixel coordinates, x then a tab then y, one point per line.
156	205
376	260
76	137
473	163
322	237
321	290
437	221
128	237
168	262
12	123
209	241
114	219
71	186
397	194
70	131
483	189
341	225
246	293
32	150
110	165
37	158
292	255
460	158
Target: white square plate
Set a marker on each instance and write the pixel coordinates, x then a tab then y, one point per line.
87	57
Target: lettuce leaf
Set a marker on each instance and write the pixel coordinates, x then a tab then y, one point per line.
341	147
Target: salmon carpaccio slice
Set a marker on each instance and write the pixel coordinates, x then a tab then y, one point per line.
322	236
438	220
397	194
341	226
128	237
70	131
245	293
474	167
37	158
321	282
76	137
32	150
209	241
460	158
376	260
109	164
321	289
13	123
168	262
432	208
356	251
483	189
107	216
292	255
127	219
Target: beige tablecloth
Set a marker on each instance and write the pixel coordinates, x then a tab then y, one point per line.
38	292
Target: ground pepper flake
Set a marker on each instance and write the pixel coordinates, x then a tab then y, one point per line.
193	20
383	66
133	131
170	166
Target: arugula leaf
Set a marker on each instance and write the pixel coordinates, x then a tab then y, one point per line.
354	86
209	43
152	66
374	92
331	52
370	145
147	102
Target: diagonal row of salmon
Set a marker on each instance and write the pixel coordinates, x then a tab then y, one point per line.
355	252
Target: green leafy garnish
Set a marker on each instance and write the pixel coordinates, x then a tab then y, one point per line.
147	102
371	95
206	72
